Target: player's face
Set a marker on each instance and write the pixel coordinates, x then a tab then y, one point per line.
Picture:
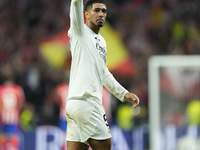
97	14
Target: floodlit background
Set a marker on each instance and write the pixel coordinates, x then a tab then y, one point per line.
34	52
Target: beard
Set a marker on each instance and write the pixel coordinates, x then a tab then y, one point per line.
97	24
100	25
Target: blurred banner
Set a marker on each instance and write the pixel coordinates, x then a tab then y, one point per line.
53	138
56	50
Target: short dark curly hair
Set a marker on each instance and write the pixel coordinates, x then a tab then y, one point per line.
89	3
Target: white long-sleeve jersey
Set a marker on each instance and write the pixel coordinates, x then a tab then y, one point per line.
88	71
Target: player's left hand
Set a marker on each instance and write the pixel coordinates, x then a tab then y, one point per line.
132	98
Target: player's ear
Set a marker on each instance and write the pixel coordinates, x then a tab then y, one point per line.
86	14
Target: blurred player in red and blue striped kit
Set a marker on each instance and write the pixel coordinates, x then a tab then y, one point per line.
11	101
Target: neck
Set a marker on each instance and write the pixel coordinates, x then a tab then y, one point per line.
93	28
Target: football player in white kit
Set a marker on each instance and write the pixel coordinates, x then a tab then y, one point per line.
87	123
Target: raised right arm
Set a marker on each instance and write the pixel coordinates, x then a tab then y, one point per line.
76	17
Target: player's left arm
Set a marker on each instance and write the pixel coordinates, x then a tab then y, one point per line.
118	90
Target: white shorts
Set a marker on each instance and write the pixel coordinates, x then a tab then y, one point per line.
86	120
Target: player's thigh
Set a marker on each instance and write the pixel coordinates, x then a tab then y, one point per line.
100	144
71	145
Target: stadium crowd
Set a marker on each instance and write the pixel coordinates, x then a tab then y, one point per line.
147	27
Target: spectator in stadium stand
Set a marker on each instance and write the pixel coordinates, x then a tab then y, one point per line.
87	122
11	102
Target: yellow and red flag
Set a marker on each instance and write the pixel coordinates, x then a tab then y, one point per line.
57	52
